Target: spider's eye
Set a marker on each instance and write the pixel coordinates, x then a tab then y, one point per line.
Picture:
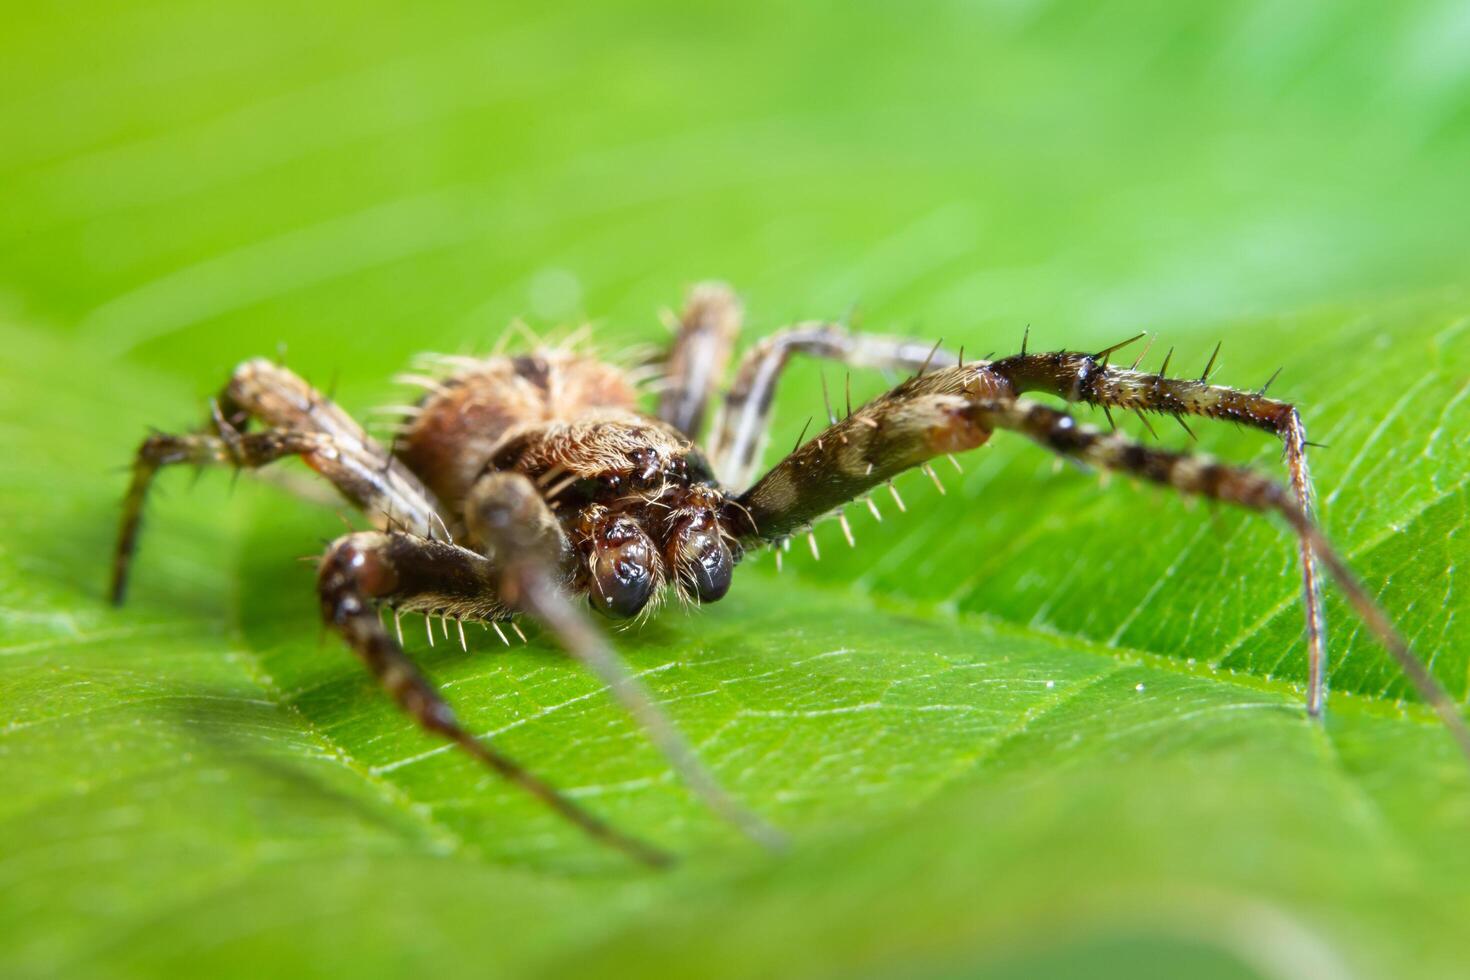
712	568
702	559
622	569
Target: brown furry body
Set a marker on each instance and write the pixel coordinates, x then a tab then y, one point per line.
570	424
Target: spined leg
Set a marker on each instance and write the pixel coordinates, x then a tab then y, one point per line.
1201	475
250	450
303	423
741	428
696	361
279	398
525	541
362	482
1079	377
266	392
958	409
361	570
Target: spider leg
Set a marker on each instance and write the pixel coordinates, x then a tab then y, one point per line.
262	390
364	569
259	389
1088	378
360	481
959	408
1200	474
741	428
306	424
696	361
523	537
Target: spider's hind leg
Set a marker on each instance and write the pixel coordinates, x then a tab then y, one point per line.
162	449
364	569
1080	377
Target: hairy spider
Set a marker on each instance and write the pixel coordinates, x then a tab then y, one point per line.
519	483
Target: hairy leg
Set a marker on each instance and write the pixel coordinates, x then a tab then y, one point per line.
741	428
696	360
1201	475
263	391
304	424
364	485
365	569
959	408
1079	377
524	539
279	398
898	430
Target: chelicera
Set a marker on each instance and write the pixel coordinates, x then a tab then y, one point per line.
533	486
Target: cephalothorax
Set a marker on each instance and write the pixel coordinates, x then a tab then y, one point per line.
518	484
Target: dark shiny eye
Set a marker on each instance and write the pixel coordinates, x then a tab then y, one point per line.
711	569
701	559
621	564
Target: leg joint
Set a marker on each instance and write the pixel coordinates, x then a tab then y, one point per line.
354	571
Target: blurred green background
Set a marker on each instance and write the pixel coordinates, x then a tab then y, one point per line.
1029	730
175	172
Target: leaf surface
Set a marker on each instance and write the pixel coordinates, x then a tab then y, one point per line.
1028	727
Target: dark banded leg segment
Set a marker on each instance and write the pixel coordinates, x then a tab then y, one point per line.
740	431
527	545
1201	475
301	422
1079	377
363	570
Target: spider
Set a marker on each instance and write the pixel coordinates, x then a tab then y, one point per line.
518	485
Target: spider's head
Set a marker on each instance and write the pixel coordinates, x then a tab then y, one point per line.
631	553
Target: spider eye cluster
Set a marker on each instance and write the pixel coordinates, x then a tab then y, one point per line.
636	546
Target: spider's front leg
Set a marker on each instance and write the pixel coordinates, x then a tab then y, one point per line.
363	570
958	408
524	539
1080	377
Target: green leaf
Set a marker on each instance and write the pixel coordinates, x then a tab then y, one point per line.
1027	728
